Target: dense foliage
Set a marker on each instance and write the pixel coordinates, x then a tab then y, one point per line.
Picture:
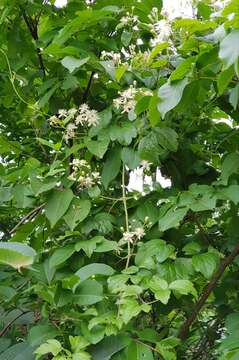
91	269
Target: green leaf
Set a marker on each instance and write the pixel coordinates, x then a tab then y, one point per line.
234	97
153	114
94	269
130	158
98	147
20	351
172	218
229	49
88	292
109	346
124	134
45	99
160	289
72	63
57	204
126	37
38	186
166	348
96	244
109	67
7	293
224	79
120	71
183	69
139	351
149	148
170	95
129	308
230	193
111	167
39	334
151	251
167	138
183	287
61	255
79	209
50	346
230	166
205	263
16	254
192	248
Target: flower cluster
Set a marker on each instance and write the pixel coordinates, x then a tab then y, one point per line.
86	116
161	29
130	20
83	116
132	236
126	101
111	55
83	174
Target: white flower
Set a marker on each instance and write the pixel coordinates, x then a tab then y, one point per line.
92	119
129	19
83	108
86	116
70	132
126	100
72	176
53	120
161	30
62	113
130	105
95	175
128	236
72	112
139	232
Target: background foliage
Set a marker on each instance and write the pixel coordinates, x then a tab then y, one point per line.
90	269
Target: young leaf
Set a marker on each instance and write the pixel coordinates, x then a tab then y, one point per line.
160	289
183	287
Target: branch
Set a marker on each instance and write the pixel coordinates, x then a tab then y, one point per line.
124	199
86	92
7	327
32	26
29	216
207	291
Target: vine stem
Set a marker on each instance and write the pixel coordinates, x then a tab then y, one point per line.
207	291
124	199
7	327
29	216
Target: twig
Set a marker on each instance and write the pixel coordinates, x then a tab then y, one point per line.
124	199
207	291
7	327
86	92
29	216
32	26
149	346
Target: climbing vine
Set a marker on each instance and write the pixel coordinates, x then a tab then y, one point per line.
92	94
